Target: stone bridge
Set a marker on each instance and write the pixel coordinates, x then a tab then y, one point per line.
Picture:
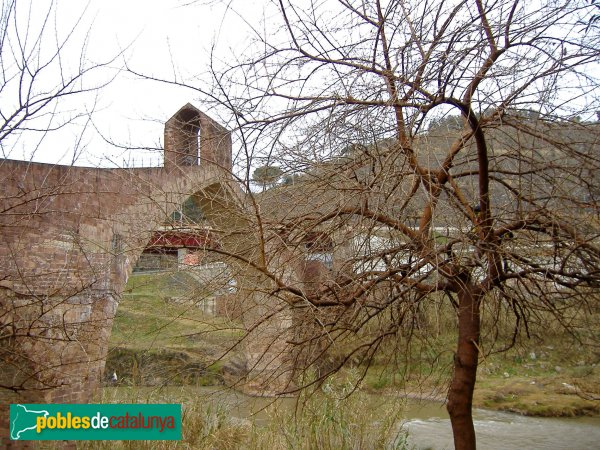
69	238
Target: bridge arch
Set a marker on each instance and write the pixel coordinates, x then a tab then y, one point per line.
69	238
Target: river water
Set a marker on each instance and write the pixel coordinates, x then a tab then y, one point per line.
427	422
429	427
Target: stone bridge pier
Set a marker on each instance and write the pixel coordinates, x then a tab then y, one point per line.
69	238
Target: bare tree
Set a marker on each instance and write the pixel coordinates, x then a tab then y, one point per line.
44	70
496	215
47	82
442	153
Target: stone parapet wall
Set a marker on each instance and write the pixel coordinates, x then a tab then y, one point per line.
69	238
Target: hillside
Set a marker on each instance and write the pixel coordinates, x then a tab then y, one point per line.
162	336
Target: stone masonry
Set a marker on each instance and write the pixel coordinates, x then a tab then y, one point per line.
69	237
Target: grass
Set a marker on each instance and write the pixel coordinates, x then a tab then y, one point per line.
330	419
557	383
147	317
173	347
156	340
550	374
325	419
562	381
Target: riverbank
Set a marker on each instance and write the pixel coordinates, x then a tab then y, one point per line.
511	387
219	417
539	397
157	342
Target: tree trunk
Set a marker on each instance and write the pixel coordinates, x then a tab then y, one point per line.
460	397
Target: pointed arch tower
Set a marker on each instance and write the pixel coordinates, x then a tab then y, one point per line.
192	138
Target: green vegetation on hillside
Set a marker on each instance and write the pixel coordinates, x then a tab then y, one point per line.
161	335
551	374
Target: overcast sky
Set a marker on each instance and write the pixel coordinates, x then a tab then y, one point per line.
169	39
156	37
